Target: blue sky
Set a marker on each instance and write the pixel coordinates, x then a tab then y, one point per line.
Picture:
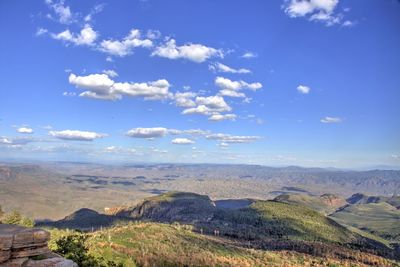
311	83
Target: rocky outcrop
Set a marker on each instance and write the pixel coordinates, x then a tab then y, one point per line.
333	200
20	246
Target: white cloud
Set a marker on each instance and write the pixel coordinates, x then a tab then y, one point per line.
100	86
98	83
69	94
96	9
348	23
234	139
111	73
221	117
153	34
231	93
303	89
126	45
249	55
87	36
193	52
63	12
41	31
25	130
150	90
94	95
76	135
225	83
331	120
185	99
208	106
219	67
230	88
15	141
316	10
147	132
159	151
223	145
119	150
182	141
216	103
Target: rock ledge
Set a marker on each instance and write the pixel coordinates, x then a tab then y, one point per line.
27	247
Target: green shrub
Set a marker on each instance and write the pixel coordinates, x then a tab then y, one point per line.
74	247
15	217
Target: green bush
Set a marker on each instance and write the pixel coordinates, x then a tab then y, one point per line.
15	217
73	247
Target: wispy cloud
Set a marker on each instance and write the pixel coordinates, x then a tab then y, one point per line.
76	135
331	120
219	67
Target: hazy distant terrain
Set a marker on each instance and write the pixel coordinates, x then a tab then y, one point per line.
53	190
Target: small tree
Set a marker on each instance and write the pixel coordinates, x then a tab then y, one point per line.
13	217
27	222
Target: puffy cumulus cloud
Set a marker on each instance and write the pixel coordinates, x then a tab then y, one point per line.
150	90
249	55
76	135
194	52
303	89
233	139
214	102
185	99
111	73
315	10
208	106
25	130
98	83
231	88
331	120
219	67
101	86
182	141
125	46
147	132
87	36
221	117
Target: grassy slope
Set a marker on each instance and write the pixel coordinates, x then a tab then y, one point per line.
305	223
313	202
154	244
270	219
380	219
